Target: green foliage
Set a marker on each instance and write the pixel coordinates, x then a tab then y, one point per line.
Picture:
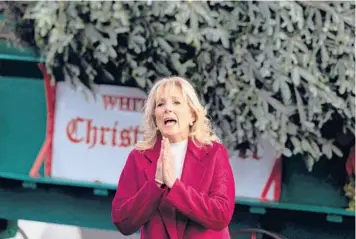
278	70
14	26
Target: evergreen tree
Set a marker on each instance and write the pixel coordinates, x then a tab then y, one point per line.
277	70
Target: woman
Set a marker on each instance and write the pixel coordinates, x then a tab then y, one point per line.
177	183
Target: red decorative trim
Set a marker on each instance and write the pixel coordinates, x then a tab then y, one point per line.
45	154
350	163
276	177
34	172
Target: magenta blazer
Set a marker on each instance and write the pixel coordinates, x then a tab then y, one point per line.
199	206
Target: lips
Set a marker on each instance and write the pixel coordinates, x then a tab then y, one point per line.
169	121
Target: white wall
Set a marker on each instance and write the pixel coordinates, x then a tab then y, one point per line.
40	230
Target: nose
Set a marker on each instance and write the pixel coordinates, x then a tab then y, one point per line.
168	107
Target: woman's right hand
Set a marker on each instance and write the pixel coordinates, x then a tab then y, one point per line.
159	169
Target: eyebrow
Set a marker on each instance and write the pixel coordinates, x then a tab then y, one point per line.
173	97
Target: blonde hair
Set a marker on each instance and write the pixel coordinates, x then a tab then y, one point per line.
201	132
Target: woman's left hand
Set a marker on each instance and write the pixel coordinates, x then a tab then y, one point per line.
169	173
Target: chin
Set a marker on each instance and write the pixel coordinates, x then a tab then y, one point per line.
168	133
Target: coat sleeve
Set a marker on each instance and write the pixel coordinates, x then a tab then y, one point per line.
212	210
133	206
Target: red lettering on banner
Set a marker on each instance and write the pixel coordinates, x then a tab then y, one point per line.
72	128
94	135
123	103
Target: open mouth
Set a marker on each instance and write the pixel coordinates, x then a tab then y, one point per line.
170	121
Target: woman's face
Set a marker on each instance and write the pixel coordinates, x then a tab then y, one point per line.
173	115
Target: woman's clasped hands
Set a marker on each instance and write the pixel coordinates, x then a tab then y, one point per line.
165	172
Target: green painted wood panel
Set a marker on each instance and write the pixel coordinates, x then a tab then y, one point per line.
10	52
22	123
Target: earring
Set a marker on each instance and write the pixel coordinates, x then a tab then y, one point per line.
191	123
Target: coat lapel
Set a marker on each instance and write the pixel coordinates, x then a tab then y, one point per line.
152	155
193	168
192	175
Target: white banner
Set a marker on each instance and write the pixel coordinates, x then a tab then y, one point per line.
252	172
93	135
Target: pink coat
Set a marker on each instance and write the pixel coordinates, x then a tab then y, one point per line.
199	206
